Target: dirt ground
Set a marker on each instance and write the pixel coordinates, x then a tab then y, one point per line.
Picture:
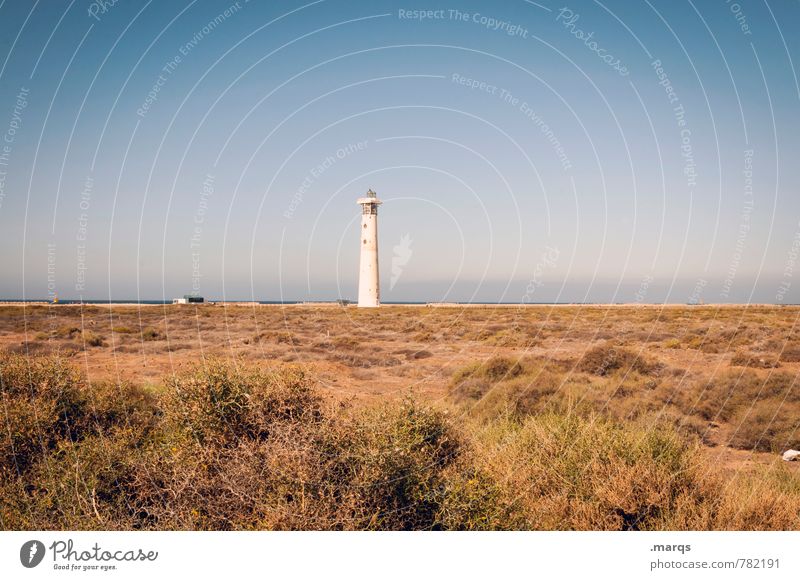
368	354
391	349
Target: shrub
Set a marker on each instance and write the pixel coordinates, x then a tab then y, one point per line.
218	403
359	360
510	338
270	455
92	339
67	332
531	392
87	484
766	499
229	448
42	402
469	389
420	354
567	471
760	409
765	428
346	342
150	333
390	468
499	368
790	352
226	447
606	359
494	369
287	338
748	359
48	405
424	336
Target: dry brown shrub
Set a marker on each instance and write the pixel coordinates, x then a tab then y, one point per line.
231	448
227	447
46	400
150	333
470	389
765	426
364	360
790	352
93	339
218	403
743	358
494	369
569	471
759	410
609	358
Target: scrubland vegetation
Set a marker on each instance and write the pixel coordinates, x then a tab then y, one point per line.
605	441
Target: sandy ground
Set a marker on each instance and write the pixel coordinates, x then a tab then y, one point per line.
396	350
379	352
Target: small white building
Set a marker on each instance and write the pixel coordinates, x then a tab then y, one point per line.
188	299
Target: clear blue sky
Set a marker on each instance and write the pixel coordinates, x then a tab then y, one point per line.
617	151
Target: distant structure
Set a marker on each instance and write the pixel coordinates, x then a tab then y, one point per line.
188	299
369	288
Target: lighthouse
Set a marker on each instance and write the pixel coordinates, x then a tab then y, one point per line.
369	289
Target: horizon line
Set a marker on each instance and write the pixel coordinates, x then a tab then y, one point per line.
353	302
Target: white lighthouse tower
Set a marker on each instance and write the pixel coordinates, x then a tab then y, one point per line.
369	288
